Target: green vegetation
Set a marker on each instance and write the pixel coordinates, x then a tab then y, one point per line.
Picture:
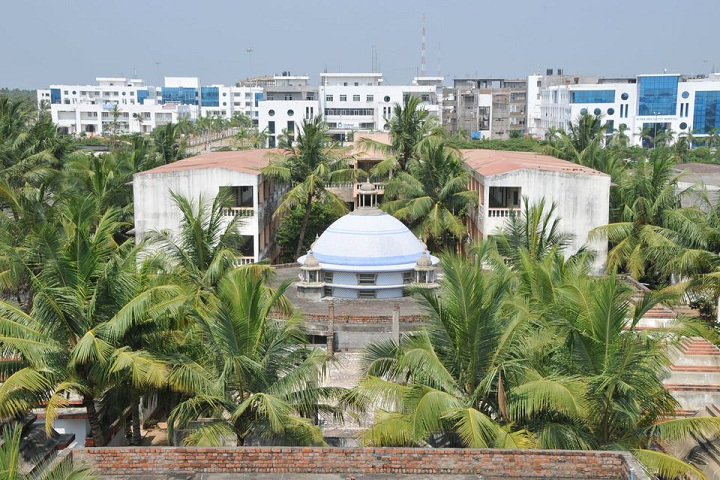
321	216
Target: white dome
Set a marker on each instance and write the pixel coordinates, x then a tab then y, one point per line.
367	240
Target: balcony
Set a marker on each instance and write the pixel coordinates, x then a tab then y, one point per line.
240	261
501	212
238	212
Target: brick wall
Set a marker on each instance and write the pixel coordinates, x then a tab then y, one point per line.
555	464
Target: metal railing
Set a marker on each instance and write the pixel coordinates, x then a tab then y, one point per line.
238	211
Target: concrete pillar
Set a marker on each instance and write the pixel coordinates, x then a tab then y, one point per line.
396	323
331	329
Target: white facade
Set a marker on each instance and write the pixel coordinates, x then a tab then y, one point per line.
502	179
132	106
204	176
649	103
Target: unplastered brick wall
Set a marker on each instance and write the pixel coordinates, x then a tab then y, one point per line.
555	464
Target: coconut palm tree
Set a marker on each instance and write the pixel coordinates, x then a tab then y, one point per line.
266	380
307	166
432	196
10	462
446	386
85	296
169	143
410	126
650	229
535	230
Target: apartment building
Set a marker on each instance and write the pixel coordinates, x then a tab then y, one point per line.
501	180
642	106
486	107
255	198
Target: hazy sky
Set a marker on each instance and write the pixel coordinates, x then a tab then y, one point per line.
73	41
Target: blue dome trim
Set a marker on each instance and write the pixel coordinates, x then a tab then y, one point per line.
367	261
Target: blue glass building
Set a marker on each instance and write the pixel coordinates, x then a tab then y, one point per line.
592	96
210	96
55	95
657	95
141	96
182	95
707	113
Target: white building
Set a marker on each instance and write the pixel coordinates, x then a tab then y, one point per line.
255	198
131	106
645	103
503	178
366	254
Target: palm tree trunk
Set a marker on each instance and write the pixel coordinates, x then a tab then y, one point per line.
135	413
94	420
306	219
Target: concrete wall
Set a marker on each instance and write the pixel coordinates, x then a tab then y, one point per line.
583	203
156	210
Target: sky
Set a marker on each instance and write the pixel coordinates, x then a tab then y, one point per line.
74	41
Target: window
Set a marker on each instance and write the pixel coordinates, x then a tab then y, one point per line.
707	111
366	278
288	96
597	111
271	127
328	277
611	111
592	96
357	84
387	98
328	98
683	126
369	98
290	113
624	96
407	277
685	94
343	98
356	98
657	95
583	111
350	111
425	98
327	292
367	294
271	113
344	84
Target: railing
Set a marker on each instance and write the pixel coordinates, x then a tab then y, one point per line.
239	211
378	185
501	212
240	261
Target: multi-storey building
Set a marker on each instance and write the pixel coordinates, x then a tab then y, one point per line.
486	107
255	198
501	180
131	106
641	106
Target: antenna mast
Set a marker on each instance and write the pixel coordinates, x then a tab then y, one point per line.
422	58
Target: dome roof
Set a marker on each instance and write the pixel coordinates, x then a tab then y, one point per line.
424	260
310	260
368	240
367	187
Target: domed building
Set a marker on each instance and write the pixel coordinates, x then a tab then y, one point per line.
365	254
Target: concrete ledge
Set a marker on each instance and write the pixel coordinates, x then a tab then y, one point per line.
490	463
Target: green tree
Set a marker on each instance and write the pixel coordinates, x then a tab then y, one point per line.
288	232
410	126
432	196
312	163
265	378
169	143
10	462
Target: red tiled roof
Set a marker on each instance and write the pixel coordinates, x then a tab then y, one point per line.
494	162
245	161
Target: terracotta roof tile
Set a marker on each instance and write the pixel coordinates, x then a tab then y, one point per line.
245	161
494	162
